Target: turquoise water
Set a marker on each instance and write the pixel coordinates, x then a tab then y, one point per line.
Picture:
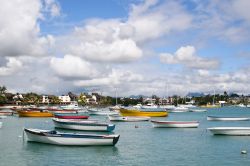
144	145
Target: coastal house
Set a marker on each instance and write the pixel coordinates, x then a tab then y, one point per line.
65	98
45	99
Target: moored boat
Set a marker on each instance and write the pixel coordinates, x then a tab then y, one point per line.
178	124
128	118
126	112
27	113
234	131
57	138
83	125
70	116
216	118
6	113
197	110
178	109
101	112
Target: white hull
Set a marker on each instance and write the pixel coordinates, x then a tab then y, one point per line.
197	110
148	107
128	118
1	124
94	112
176	124
82	125
70	141
211	118
240	131
3	117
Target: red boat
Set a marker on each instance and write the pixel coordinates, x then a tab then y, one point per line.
70	116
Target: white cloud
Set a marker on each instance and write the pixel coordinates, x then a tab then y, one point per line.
115	78
19	28
12	66
187	57
152	21
73	67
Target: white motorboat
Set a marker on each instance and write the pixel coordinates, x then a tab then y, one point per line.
197	110
128	118
149	105
114	108
178	109
216	118
82	125
101	112
57	138
177	124
3	117
240	131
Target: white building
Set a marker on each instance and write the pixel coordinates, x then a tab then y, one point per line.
64	98
45	99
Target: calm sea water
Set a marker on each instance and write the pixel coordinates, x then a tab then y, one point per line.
144	145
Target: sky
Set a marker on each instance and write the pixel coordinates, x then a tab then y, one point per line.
132	47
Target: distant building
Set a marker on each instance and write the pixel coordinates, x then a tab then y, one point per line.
149	100
165	101
45	99
64	98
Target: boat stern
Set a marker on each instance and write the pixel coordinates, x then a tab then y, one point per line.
115	140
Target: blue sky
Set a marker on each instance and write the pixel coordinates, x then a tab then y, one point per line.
136	46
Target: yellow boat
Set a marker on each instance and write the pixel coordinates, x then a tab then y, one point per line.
210	106
25	113
126	112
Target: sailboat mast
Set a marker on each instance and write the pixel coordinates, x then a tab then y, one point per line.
115	96
214	97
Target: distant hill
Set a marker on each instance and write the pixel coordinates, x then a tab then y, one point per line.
137	96
195	94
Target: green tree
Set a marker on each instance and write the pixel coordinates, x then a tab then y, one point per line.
31	98
3	99
82	99
54	99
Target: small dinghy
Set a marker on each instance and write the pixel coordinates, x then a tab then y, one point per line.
177	124
128	118
83	125
216	118
235	131
57	138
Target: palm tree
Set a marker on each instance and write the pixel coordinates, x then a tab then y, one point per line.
3	89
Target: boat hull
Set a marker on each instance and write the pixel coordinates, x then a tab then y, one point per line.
70	116
175	124
71	139
85	126
234	131
214	118
6	113
125	112
34	114
128	118
95	112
